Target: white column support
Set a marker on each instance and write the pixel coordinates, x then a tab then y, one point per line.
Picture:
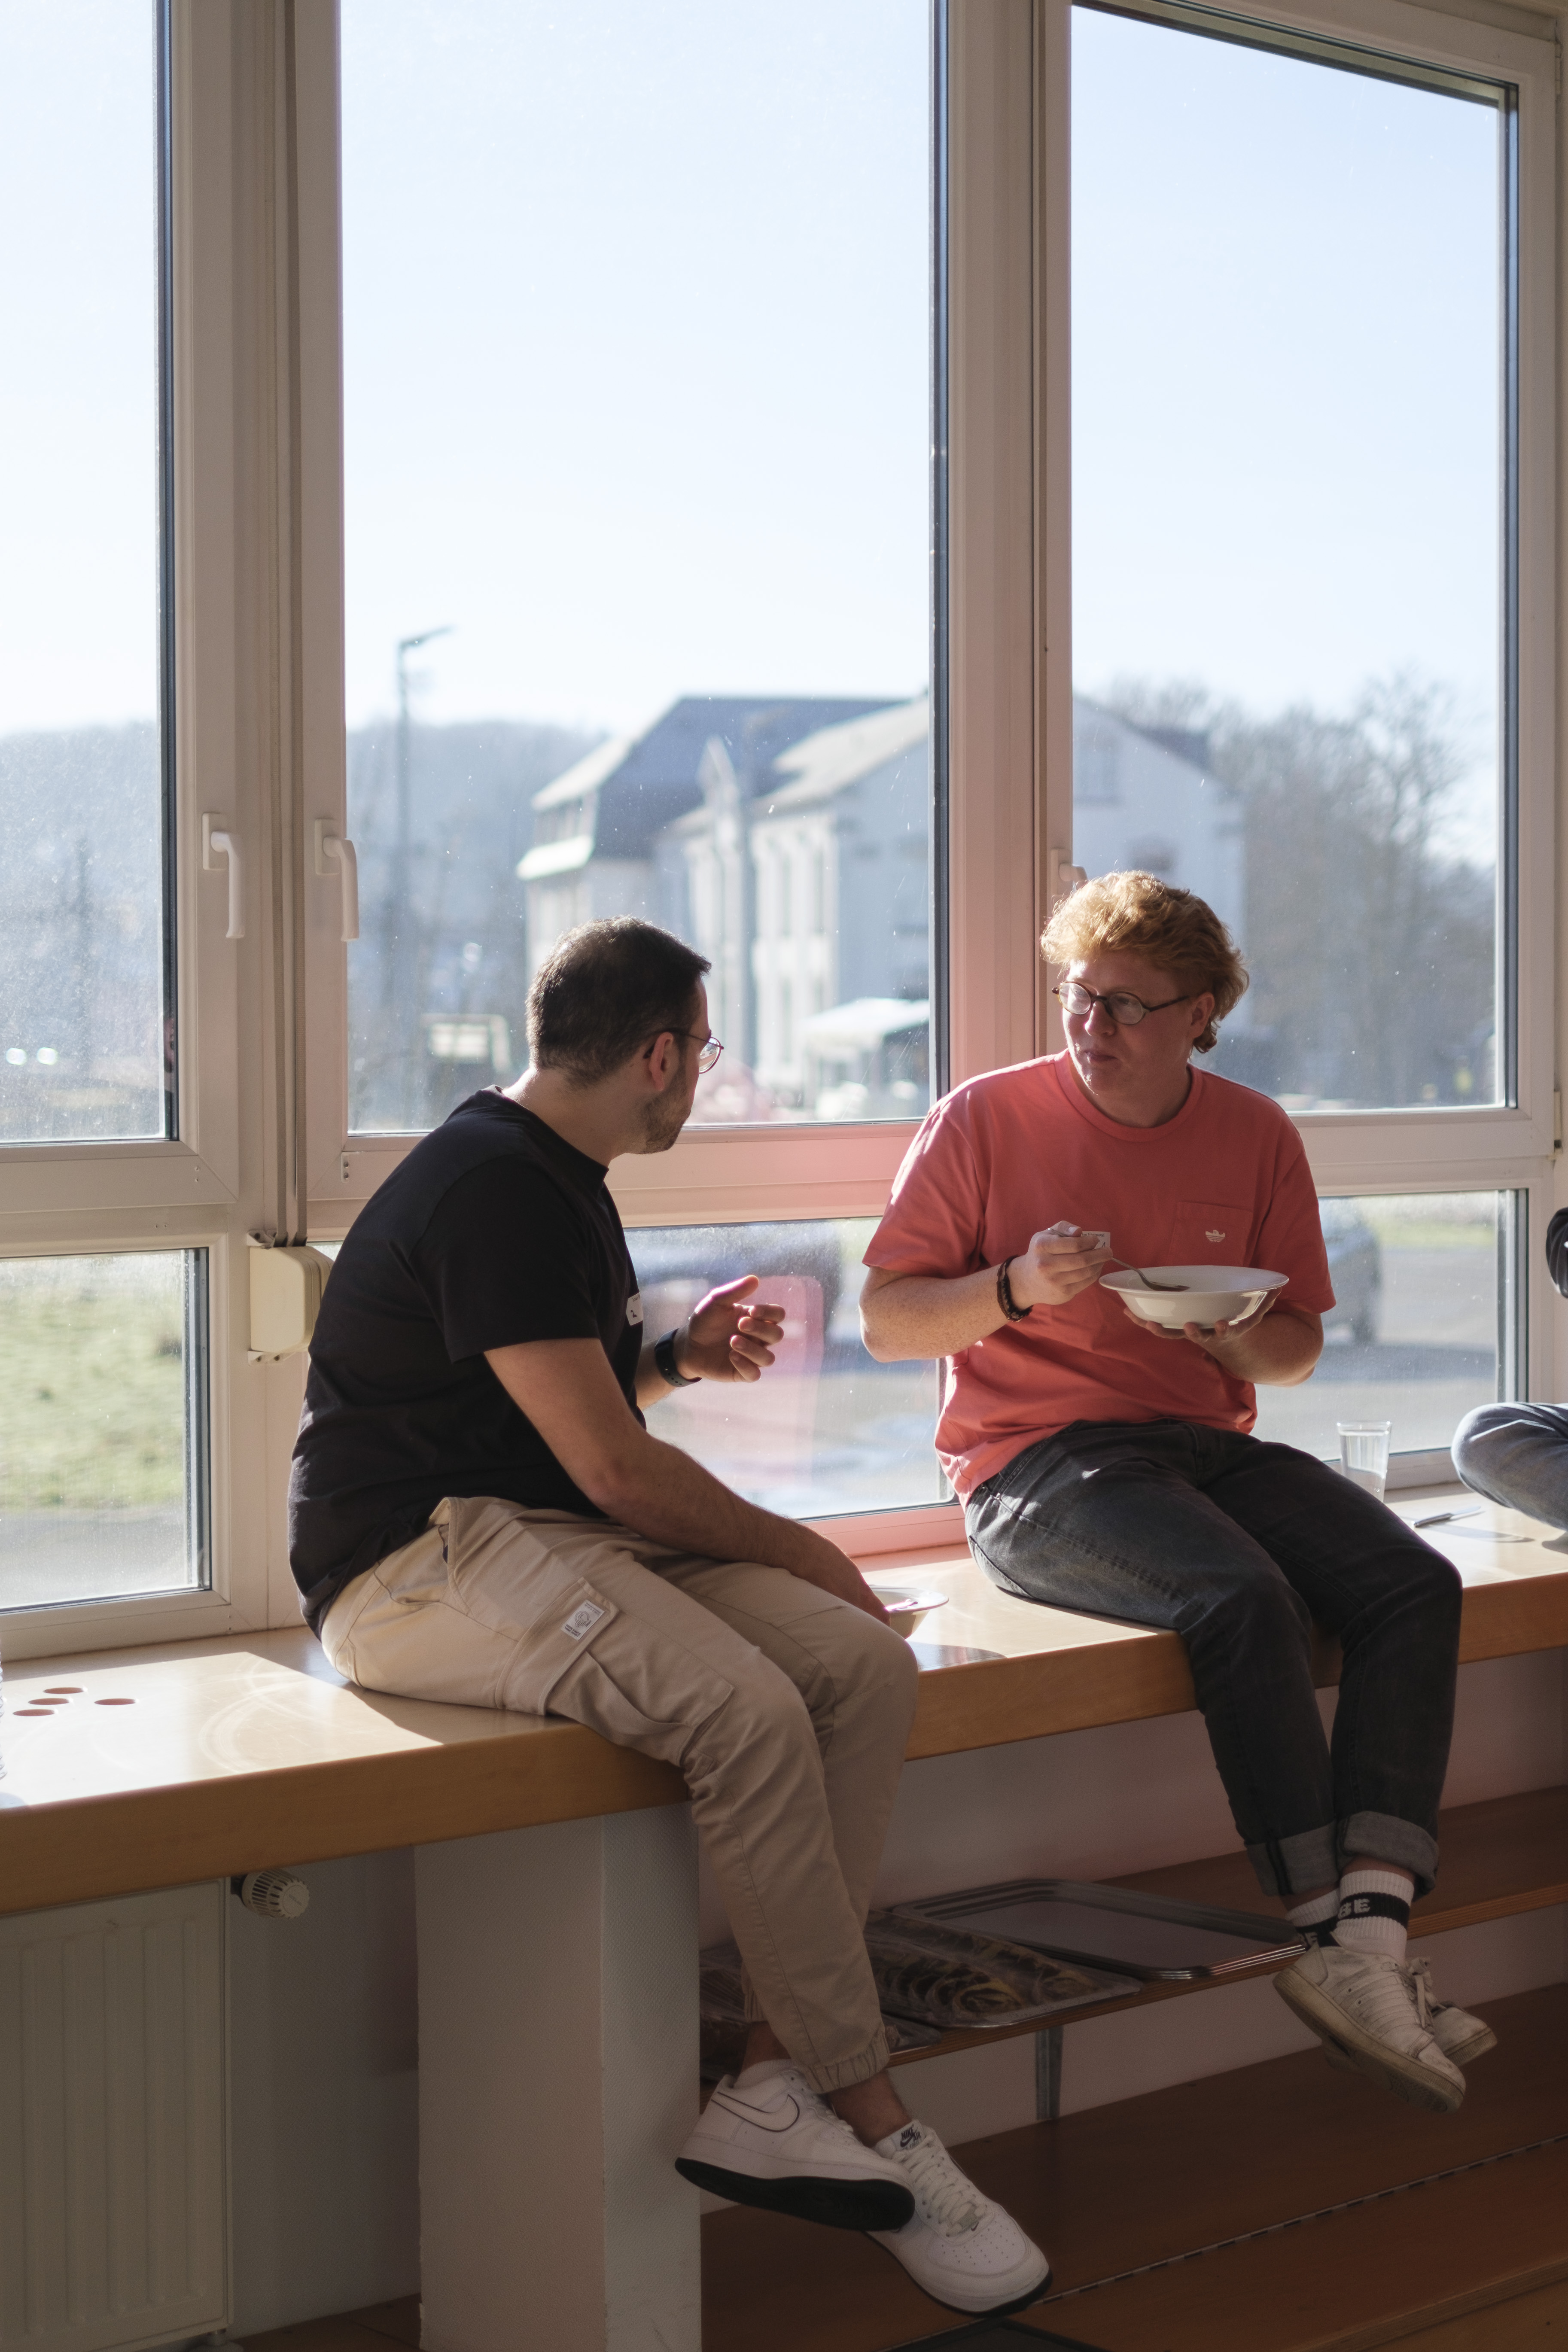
558	2080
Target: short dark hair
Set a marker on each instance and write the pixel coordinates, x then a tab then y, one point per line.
603	990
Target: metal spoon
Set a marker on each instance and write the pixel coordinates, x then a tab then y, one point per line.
1146	1281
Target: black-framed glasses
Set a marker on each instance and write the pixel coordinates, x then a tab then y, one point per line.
1125	1009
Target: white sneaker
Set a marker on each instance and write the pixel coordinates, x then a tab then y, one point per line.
1368	2006
774	2141
959	2248
1460	2036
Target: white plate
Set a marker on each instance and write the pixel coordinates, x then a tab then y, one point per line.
1213	1293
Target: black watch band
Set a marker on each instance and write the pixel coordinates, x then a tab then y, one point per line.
668	1371
1004	1298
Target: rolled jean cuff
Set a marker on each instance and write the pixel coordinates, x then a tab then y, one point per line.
1388	1839
845	2073
1295	1865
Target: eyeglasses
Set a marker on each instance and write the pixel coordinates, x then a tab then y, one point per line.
1125	1009
708	1047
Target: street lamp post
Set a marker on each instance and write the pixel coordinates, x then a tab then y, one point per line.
401	965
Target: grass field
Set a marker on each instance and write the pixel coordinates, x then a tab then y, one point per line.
93	1381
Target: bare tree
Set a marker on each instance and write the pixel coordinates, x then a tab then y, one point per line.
1370	940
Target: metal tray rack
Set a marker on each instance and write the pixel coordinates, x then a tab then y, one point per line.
1150	1936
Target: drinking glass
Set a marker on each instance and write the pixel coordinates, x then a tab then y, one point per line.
1363	1453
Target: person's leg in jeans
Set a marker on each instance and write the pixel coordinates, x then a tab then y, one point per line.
1516	1455
1394	1605
1109	1520
1237	1546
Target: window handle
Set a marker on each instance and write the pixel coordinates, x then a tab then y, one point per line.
1065	877
335	859
218	841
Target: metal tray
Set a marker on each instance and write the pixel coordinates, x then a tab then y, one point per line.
905	1933
1150	1936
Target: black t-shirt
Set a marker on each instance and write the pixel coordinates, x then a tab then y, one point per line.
493	1231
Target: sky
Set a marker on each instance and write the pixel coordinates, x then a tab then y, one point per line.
79	586
637	322
1285	374
637	333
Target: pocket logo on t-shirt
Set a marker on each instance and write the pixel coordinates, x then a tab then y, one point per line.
1211	1235
634	1307
582	1621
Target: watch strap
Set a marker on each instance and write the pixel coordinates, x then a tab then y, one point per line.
669	1370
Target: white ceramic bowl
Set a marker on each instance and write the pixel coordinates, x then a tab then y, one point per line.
1213	1294
908	1606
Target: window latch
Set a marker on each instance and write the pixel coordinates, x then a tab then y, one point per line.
1065	877
219	842
336	861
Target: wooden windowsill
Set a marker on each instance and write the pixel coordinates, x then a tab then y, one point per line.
249	1750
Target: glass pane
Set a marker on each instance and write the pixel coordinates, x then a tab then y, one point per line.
1413	1337
81	945
1287	528
636	352
827	1429
103	1446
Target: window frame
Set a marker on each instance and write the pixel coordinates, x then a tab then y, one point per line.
1505	1147
256	722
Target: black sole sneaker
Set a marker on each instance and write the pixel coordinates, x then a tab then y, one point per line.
835	2204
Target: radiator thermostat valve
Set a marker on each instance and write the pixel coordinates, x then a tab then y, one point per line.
274	1894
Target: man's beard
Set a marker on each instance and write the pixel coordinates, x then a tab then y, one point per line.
662	1122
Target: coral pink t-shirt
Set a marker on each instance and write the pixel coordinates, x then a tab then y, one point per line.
1225	1182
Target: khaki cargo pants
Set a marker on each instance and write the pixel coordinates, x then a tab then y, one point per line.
785	1710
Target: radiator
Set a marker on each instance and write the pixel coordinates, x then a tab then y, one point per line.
113	2188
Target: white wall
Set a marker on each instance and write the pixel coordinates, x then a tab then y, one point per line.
323	2052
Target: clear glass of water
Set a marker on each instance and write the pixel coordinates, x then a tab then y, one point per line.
1363	1453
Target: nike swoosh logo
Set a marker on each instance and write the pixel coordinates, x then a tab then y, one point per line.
762	2118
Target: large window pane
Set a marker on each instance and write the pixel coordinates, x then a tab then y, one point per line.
1286	532
82	1031
103	1442
1414	1339
636	349
827	1429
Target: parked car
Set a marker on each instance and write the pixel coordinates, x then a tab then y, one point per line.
677	1264
1356	1269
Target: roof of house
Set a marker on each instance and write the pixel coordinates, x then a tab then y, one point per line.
644	783
839	755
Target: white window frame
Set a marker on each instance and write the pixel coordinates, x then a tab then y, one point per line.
242	81
1490	1148
265	1149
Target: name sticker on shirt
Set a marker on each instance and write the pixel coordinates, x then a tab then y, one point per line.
582	1621
634	1307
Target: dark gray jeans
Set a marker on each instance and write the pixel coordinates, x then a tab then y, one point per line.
1237	1546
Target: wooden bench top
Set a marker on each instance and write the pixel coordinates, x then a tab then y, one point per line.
198	1759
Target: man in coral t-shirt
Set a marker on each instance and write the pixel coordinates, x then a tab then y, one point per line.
1107	1465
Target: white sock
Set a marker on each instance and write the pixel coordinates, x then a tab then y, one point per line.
1375	1912
1314	1913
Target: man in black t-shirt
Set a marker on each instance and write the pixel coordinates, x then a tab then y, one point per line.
478	1514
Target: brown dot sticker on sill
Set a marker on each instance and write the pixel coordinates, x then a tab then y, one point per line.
47	1712
114	1702
63	1690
